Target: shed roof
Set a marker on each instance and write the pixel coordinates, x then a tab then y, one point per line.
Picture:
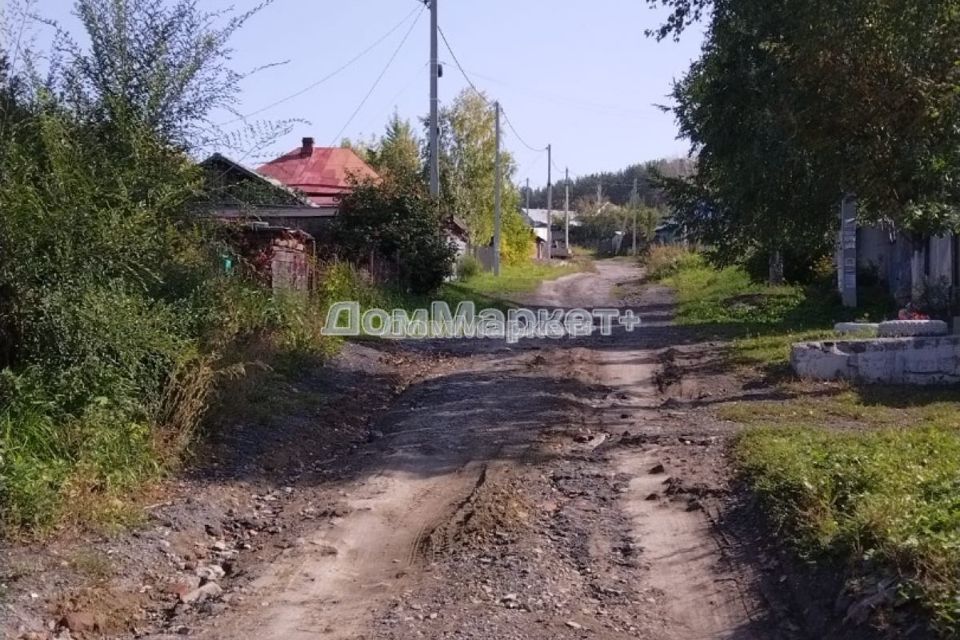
223	165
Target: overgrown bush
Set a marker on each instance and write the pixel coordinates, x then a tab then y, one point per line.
396	221
114	312
663	261
103	267
467	267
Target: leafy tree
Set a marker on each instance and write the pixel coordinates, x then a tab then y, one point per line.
397	221
469	144
793	104
757	189
468	172
878	100
161	64
397	153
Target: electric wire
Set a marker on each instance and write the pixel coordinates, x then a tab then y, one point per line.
379	77
473	85
330	75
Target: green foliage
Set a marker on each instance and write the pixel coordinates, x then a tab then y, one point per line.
397	222
886	500
113	309
764	320
102	273
664	261
516	238
706	295
598	222
397	153
757	188
161	65
793	104
468	267
468	172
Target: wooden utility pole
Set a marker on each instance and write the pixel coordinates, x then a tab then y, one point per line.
566	210
549	201
434	103
634	204
496	196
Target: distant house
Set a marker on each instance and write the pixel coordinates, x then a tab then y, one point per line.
239	193
669	232
322	174
299	190
537	219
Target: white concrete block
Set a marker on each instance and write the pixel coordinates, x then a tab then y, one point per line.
901	328
906	360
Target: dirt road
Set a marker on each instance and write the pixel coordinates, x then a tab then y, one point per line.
530	491
445	489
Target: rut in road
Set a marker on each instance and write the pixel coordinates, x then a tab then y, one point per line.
432	457
501	502
704	593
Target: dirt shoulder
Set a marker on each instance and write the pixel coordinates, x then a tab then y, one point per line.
246	497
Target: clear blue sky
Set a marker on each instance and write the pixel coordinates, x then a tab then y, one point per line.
579	75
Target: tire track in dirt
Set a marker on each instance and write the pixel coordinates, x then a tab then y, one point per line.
504	502
328	584
432	463
701	594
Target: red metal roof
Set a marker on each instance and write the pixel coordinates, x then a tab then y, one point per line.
323	174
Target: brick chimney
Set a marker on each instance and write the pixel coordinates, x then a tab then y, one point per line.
307	148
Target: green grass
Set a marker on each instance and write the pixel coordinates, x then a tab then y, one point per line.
486	290
762	320
865	476
873	407
513	279
885	502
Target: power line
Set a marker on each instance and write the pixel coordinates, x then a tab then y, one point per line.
519	137
480	93
459	66
555	166
565	100
379	77
530	164
330	75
